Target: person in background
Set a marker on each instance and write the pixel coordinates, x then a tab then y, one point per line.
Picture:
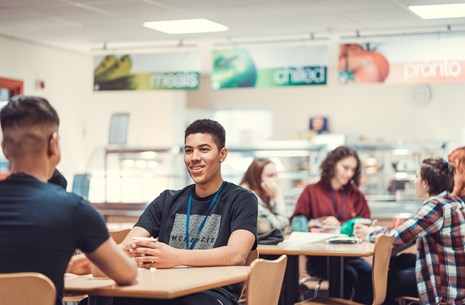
58	179
209	223
262	178
438	228
41	216
329	203
4	175
457	158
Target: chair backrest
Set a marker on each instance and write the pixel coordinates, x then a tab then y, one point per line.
265	281
253	255
381	257
119	236
26	288
81	184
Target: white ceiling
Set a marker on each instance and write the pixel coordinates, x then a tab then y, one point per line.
84	25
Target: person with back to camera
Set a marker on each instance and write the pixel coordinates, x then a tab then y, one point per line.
209	223
261	177
330	202
43	217
438	228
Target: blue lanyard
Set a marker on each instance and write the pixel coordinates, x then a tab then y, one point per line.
189	203
339	216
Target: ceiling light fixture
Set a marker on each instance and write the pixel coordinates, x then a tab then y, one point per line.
438	11
186	26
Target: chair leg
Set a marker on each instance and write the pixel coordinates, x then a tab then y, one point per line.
317	288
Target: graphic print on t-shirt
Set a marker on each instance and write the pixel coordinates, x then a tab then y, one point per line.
207	236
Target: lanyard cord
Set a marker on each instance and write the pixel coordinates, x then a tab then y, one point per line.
339	216
189	203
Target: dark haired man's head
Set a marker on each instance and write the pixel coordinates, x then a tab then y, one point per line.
438	174
30	129
208	126
26	111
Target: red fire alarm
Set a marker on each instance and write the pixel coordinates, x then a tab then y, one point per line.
40	84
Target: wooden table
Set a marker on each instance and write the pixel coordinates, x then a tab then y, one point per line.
293	250
160	283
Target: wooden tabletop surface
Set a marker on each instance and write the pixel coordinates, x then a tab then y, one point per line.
161	283
318	249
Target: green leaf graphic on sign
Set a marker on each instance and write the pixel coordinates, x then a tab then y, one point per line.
232	69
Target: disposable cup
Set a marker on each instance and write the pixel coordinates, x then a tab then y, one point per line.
139	238
399	219
364	221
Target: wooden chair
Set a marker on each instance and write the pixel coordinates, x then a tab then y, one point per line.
406	300
253	255
119	236
265	281
381	256
310	282
26	288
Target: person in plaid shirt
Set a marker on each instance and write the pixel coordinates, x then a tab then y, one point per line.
439	230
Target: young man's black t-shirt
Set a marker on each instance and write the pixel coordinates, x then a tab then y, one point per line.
41	225
235	209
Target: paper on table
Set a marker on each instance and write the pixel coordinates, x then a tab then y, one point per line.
309	237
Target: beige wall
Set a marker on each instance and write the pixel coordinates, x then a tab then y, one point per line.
156	117
374	111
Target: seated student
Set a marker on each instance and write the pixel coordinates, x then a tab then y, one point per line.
457	158
41	217
209	223
439	230
58	179
330	202
262	178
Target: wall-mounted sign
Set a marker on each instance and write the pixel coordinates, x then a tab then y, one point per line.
400	61
270	67
168	71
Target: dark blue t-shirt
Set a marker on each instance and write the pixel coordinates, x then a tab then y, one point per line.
41	225
235	209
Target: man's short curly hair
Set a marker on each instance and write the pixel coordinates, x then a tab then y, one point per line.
27	124
438	175
209	127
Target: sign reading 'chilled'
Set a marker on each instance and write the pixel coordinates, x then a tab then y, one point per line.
269	67
167	71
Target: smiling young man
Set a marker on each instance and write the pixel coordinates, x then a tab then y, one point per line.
209	223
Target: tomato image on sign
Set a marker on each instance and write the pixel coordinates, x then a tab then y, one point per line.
361	64
233	68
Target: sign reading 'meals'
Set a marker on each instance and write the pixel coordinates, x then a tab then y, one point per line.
399	61
270	67
162	71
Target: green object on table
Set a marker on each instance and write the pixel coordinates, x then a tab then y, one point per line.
347	227
299	224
